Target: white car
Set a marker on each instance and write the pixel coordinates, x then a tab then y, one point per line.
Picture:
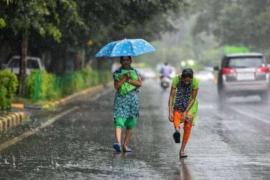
243	74
32	64
204	75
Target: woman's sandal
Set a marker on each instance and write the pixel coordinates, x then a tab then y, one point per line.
126	149
117	147
182	155
176	136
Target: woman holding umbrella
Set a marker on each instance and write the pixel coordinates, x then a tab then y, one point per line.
126	83
126	103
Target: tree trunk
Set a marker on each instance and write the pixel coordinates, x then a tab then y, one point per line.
23	65
77	62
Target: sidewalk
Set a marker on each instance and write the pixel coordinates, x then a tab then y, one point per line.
25	114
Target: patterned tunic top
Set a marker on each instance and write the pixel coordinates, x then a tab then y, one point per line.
126	101
183	95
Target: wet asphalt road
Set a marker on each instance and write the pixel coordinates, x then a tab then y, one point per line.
231	142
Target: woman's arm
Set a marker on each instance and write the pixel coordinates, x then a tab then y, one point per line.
117	84
137	83
170	103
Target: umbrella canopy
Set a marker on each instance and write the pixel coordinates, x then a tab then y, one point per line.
125	47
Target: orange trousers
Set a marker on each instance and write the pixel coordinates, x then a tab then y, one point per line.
177	120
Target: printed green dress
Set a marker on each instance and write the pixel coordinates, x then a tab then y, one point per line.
126	101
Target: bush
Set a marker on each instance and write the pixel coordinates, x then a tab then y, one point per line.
53	90
8	88
45	86
33	82
41	86
86	74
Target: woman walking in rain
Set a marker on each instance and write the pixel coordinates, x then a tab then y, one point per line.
183	106
126	102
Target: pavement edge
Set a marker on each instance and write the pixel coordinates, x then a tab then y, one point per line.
11	119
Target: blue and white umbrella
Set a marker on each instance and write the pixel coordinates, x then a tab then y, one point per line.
125	47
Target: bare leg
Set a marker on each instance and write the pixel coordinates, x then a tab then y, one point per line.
127	137
182	149
187	132
117	132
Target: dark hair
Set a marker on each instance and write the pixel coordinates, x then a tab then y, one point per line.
188	72
122	57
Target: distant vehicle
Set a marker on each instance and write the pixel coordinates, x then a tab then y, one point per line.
166	70
204	75
243	74
32	64
165	82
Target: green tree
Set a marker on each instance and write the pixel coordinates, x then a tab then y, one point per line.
23	18
107	20
112	20
233	22
2	23
83	26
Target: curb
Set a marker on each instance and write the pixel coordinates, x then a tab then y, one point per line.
17	105
11	120
68	99
63	101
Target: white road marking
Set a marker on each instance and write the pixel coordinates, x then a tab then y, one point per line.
245	113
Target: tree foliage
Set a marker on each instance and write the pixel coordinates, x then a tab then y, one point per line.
42	17
236	22
88	23
24	18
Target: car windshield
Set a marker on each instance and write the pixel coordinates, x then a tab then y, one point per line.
31	64
245	62
15	63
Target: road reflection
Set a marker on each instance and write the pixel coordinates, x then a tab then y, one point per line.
184	171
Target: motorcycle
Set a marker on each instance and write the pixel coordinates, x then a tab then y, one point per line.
165	82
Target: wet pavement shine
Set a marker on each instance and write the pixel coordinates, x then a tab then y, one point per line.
230	142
